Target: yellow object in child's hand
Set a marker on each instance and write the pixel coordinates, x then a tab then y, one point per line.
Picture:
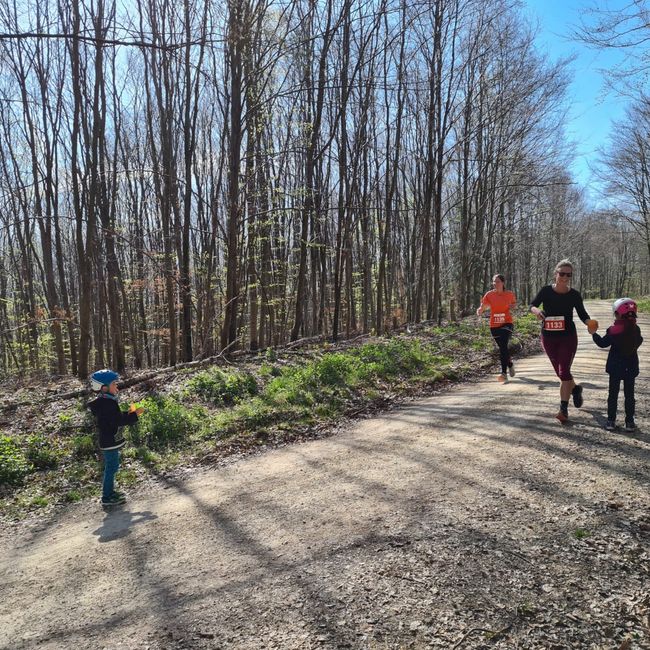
138	410
592	326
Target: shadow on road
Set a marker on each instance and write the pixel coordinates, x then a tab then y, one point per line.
118	523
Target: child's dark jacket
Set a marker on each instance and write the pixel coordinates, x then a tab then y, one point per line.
622	360
109	420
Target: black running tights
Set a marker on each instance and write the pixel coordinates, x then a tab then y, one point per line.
501	336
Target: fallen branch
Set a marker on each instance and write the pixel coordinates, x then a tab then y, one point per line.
125	383
493	635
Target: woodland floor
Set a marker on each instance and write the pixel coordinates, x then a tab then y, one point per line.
467	519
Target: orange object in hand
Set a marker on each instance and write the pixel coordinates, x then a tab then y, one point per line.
592	326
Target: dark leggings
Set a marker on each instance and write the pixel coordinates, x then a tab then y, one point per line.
612	398
560	350
501	336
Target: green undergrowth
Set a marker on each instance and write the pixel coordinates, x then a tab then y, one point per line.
644	305
219	410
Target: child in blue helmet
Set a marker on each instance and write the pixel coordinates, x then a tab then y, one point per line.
110	418
624	337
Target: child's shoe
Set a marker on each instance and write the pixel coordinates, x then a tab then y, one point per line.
511	369
630	426
114	500
576	393
610	425
502	379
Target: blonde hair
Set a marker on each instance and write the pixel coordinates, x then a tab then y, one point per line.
562	263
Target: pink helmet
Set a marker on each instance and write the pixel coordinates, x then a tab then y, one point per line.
624	306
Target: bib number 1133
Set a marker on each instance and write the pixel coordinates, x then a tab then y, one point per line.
554	323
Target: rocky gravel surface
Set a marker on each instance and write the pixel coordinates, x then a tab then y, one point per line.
468	519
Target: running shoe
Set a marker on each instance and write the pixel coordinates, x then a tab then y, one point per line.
502	379
511	369
562	416
610	425
630	426
576	393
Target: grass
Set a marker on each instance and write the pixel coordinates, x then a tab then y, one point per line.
581	533
166	423
644	305
222	388
73	496
217	410
526	610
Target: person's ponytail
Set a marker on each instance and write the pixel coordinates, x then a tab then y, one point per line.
629	337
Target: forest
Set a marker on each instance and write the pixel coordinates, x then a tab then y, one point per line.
180	180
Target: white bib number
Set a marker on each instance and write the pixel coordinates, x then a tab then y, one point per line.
554	323
499	319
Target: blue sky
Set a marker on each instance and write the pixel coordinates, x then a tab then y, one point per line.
593	107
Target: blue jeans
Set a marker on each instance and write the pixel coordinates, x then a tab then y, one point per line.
111	465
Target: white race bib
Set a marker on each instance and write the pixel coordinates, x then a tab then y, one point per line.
554	323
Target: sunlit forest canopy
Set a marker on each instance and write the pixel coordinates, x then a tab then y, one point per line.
183	179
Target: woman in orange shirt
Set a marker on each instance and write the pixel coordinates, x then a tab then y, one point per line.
499	301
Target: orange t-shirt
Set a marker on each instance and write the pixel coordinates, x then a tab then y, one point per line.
499	304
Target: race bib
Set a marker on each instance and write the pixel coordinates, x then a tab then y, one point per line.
554	323
498	319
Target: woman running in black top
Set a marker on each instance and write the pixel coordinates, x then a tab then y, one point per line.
559	337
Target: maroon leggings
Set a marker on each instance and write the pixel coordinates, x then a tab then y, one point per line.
561	350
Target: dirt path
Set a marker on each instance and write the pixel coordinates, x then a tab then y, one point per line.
470	519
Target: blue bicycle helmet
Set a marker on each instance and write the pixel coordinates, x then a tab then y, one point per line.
102	378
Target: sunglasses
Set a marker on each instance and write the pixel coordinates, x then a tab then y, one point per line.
562	274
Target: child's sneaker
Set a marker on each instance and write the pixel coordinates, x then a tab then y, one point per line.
502	379
630	426
562	416
511	369
610	425
114	500
576	393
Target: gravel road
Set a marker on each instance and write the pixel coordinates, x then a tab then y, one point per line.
469	519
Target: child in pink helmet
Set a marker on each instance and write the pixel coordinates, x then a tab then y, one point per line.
623	338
